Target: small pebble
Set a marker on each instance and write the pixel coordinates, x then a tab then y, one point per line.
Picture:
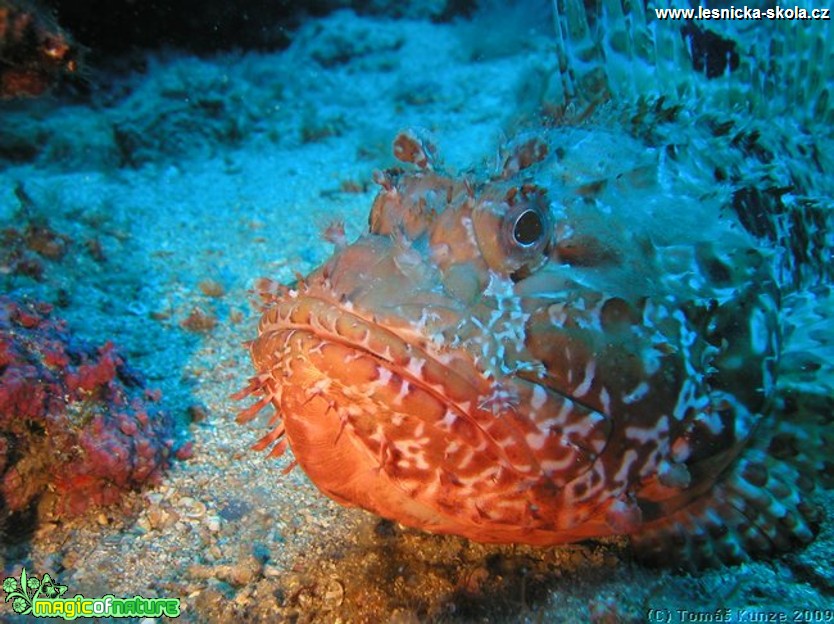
199	321
154	498
213	523
70	560
197	413
193	509
159	518
334	594
211	288
245	572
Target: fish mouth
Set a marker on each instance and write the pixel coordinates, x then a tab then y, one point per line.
379	416
390	344
388	381
410	405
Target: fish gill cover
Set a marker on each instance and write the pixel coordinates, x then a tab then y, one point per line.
585	339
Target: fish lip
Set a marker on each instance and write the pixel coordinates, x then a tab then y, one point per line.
401	349
326	317
450	374
336	321
451	377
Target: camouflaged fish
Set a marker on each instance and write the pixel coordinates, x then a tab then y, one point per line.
584	340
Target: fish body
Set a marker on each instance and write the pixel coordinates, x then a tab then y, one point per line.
583	340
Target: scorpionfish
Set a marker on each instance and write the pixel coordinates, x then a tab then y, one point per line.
621	327
506	357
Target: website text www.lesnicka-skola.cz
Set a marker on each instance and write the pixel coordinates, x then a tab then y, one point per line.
744	13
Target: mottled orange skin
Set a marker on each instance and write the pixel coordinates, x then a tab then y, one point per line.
504	360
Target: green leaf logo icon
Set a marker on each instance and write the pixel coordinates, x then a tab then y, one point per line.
24	592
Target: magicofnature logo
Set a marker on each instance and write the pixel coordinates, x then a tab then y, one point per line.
43	597
29	589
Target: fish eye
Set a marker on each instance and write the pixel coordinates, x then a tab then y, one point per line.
528	228
515	232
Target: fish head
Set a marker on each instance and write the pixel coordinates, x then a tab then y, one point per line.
496	360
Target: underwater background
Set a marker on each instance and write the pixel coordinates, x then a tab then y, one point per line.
155	161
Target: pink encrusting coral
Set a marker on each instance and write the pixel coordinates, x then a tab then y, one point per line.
77	426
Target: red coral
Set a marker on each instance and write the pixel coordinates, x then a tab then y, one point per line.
95	375
82	424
